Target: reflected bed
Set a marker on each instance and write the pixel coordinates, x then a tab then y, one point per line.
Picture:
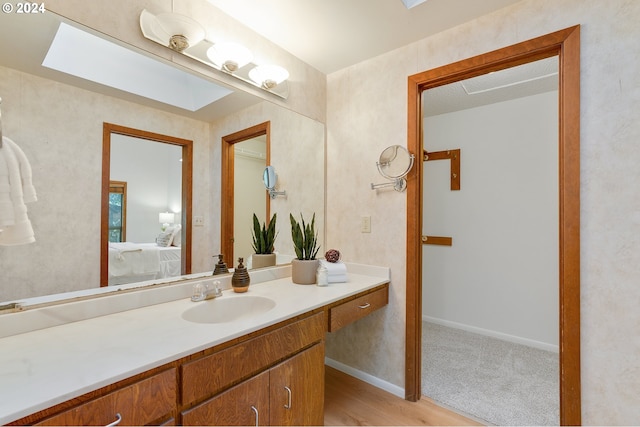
136	262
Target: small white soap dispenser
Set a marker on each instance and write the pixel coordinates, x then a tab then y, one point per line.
322	275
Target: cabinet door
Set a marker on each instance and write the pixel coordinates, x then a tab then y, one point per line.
297	389
246	404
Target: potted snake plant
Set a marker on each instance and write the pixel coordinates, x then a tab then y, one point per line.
305	243
263	243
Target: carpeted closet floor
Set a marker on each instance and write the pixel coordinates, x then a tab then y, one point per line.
500	382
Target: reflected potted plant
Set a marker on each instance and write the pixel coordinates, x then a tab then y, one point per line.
263	243
305	243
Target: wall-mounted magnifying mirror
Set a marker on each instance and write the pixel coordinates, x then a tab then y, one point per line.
394	163
270	179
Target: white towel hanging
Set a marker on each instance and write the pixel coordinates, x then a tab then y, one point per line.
0	122
15	190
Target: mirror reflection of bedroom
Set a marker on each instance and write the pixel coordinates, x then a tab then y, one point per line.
145	205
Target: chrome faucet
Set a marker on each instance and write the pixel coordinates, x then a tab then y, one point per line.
204	291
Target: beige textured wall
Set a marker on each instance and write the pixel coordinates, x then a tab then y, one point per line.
366	107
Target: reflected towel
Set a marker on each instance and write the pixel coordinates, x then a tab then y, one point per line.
28	190
15	226
18	234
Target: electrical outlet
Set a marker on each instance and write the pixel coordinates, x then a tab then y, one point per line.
198	221
365	224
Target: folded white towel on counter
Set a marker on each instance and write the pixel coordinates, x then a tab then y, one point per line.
334	268
337	278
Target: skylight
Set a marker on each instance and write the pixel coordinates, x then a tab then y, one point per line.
84	55
412	3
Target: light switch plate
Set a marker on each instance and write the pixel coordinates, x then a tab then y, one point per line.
198	221
365	224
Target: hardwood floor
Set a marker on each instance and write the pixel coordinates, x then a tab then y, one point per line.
352	402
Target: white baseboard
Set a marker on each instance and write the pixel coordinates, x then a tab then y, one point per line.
368	378
494	334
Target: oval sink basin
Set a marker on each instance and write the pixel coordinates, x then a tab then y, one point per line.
227	309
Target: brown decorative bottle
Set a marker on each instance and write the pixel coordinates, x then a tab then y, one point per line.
221	266
240	279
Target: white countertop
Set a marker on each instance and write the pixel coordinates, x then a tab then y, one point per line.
41	368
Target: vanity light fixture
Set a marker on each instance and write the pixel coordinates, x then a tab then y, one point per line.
268	76
188	37
229	56
178	32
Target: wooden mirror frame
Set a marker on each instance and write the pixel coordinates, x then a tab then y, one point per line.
566	45
227	173
187	189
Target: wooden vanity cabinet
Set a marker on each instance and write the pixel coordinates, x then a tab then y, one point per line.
291	393
143	402
285	386
274	376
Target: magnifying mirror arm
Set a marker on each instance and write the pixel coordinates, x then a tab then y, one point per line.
273	193
398	184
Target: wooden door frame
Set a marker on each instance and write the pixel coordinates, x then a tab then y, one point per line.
187	189
227	188
565	44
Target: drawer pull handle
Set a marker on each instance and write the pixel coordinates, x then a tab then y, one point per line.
253	408
288	405
116	422
367	305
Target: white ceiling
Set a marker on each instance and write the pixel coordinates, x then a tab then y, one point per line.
333	34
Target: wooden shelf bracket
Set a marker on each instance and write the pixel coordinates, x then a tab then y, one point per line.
437	240
454	157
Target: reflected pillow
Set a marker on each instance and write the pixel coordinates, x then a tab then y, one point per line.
166	237
177	236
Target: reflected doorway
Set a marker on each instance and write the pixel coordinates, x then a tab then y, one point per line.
245	154
163	189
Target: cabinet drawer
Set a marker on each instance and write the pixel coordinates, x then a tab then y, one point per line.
350	311
211	374
140	403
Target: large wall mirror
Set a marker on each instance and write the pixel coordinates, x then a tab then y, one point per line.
58	120
558	231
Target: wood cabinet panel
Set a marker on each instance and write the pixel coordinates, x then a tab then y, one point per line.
297	389
350	311
234	406
211	374
140	403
